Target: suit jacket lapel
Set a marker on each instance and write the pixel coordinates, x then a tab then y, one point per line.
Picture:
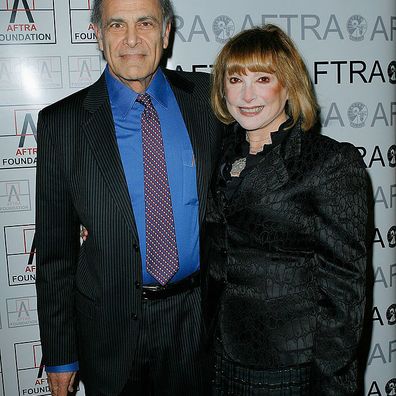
190	106
99	131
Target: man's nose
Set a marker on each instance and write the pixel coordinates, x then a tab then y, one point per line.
131	36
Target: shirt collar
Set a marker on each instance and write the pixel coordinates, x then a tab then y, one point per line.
159	88
277	137
123	98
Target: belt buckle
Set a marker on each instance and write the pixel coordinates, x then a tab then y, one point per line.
153	288
153	292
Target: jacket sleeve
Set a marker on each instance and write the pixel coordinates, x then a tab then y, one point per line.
57	247
341	202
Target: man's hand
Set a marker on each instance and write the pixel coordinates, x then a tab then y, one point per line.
61	383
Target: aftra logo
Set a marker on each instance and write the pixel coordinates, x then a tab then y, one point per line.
31	377
392	156
10	71
41	72
352	72
391	314
27	22
19	150
26	8
84	70
392	72
82	31
376	390
385	195
383	352
357	114
376	156
14	196
312	27
25	126
20	254
223	28
387	318
385	276
384	114
357	27
22	311
390	387
390	237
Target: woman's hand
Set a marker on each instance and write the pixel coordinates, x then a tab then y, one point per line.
83	233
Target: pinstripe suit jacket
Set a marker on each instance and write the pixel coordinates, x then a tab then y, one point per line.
89	297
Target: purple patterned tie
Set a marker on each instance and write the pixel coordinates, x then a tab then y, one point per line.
162	260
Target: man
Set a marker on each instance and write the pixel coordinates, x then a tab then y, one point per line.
124	307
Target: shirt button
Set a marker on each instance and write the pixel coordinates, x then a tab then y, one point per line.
224	252
134	316
137	285
136	247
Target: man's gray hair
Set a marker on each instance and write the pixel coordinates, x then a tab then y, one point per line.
166	8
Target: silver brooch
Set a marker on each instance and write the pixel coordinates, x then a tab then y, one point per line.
238	166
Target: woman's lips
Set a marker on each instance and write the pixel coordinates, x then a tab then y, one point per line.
251	111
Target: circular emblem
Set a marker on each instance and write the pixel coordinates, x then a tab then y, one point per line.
357	114
390	387
391	314
392	72
223	27
357	27
392	237
392	156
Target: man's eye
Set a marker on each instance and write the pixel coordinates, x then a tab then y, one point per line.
116	25
146	24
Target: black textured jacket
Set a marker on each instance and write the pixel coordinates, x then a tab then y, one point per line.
287	259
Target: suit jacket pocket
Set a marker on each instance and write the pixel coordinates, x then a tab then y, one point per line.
189	178
85	305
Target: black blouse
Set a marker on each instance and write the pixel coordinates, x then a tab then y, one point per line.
239	149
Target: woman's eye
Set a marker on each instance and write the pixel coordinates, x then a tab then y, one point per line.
264	79
233	80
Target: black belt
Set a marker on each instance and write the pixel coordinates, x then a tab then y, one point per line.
155	292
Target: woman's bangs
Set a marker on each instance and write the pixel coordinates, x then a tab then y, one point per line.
254	62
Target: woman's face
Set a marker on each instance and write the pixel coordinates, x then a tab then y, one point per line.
256	100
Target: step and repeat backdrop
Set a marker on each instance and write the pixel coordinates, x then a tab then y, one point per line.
48	50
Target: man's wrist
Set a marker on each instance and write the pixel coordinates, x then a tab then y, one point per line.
63	368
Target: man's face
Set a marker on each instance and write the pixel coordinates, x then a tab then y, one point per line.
132	41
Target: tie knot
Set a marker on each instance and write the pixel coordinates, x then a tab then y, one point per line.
144	99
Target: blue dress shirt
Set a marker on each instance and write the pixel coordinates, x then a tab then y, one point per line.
180	164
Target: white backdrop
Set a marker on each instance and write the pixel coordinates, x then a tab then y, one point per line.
48	50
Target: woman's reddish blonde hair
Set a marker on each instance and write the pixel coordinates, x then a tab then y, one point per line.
266	49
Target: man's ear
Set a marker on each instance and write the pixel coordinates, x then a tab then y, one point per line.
166	36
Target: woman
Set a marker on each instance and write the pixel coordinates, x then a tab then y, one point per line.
286	231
